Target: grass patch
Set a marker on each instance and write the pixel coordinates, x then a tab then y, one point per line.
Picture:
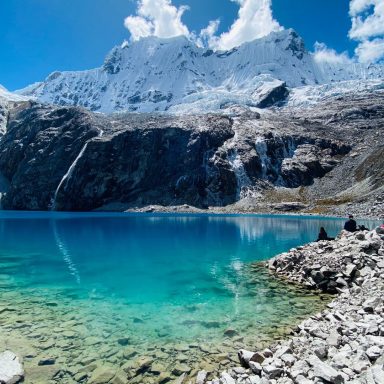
279	195
336	200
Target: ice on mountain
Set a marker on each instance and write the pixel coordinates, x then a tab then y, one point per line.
175	75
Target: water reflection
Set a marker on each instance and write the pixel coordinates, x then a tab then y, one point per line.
143	258
64	250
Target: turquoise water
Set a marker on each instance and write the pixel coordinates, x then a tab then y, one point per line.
154	279
146	258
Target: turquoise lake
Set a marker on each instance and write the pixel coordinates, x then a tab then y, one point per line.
150	279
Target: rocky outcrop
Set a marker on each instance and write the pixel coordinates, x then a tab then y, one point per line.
343	344
68	158
272	96
331	265
155	164
40	145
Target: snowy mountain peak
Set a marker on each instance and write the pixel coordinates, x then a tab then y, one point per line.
6	96
156	74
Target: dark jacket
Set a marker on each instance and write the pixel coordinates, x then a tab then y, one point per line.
350	225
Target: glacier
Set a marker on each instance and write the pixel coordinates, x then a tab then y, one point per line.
174	75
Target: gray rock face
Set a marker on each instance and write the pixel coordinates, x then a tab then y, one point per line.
68	158
275	96
11	370
38	148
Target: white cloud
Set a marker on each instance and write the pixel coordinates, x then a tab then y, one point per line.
323	54
207	36
254	20
370	51
367	18
158	18
138	27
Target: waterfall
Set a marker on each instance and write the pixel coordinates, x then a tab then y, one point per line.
289	148
244	184
210	172
262	151
271	166
69	173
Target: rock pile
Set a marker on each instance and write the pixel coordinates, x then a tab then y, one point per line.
331	265
343	344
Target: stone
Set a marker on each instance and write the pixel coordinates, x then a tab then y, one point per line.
129	352
370	304
266	353
157	368
11	370
142	364
123	341
179	369
164	377
239	370
300	379
201	377
334	338
244	357
272	371
80	376
288	359
226	379
102	375
324	371
281	351
69	334
42	374
378	373
119	378
254	379
180	379
255	367
46	361
341	359
374	352
230	332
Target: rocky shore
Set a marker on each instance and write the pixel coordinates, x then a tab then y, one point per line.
343	344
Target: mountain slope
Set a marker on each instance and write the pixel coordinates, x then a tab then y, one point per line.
174	74
7	100
67	158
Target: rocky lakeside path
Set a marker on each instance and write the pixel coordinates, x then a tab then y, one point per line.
344	343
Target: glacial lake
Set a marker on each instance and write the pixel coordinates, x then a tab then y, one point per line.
115	288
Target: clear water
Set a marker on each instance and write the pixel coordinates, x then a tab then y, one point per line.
164	280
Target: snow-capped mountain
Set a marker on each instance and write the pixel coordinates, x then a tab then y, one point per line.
6	96
7	99
175	75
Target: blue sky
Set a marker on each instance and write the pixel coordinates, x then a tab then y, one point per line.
41	36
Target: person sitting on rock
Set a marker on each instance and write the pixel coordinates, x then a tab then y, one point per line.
350	225
323	235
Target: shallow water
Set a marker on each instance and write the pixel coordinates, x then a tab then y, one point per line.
102	285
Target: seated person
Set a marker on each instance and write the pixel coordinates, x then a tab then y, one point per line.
350	225
323	235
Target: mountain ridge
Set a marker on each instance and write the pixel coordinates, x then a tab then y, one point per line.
174	75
